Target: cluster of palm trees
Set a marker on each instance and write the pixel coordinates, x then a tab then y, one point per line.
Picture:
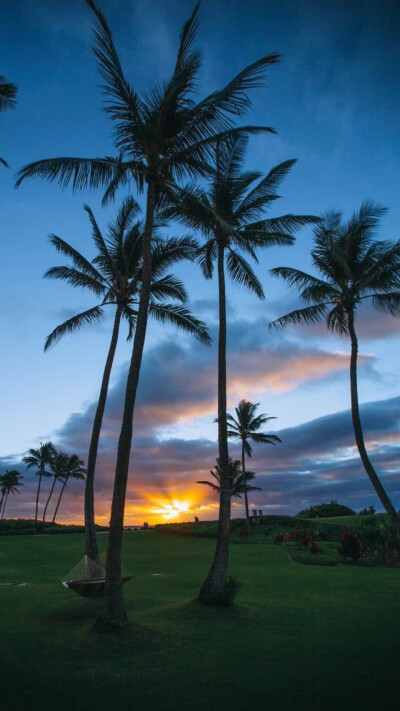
61	467
10	482
188	158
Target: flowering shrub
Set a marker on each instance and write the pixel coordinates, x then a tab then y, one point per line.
314	547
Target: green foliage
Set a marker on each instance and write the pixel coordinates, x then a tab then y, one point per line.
326	510
23	527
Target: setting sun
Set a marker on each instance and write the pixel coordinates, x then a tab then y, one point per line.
173	510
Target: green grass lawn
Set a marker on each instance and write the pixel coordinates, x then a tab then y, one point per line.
299	637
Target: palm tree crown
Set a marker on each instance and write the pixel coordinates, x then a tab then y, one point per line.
238	481
353	265
163	135
246	426
230	214
10	482
115	275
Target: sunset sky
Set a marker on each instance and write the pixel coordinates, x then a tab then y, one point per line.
334	101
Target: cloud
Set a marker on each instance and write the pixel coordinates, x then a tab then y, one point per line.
178	383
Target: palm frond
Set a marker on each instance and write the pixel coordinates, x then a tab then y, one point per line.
389	303
168	287
182	318
74	277
82	172
8	93
308	315
73	324
241	272
78	259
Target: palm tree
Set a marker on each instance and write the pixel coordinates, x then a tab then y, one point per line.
72	468
246	427
41	460
238	482
353	265
230	215
8	92
115	277
161	138
56	466
9	483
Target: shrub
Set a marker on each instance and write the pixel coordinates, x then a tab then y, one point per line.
349	546
370	511
325	511
278	537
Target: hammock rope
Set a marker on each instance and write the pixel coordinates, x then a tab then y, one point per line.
88	577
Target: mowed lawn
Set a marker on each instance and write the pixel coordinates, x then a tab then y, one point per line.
299	637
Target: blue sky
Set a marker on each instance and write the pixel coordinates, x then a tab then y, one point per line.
334	101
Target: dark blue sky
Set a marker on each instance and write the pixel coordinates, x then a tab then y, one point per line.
334	100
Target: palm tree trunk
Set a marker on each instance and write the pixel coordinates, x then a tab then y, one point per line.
355	413
59	498
91	549
37	500
4	507
114	615
244	484
1	500
48	500
213	589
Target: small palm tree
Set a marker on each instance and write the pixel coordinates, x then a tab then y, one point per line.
161	138
56	467
231	217
246	427
353	266
41	460
238	482
8	92
72	468
9	484
115	278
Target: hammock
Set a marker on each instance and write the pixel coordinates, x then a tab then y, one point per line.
88	577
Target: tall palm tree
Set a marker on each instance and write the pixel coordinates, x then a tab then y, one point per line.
115	277
238	481
9	484
40	459
8	92
230	215
72	468
161	138
246	427
353	266
56	467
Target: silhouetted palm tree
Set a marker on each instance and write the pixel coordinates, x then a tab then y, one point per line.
10	482
353	266
72	468
246	427
161	138
8	92
115	276
41	460
230	215
56	466
238	482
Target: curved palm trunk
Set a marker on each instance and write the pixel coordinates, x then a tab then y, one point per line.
246	501
91	548
213	588
59	498
37	499
4	507
48	500
355	413
114	615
